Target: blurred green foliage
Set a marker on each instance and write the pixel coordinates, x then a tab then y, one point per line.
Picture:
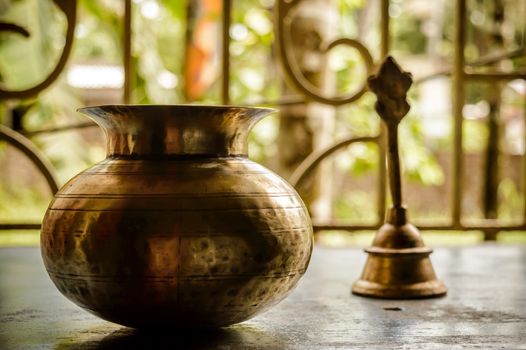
158	50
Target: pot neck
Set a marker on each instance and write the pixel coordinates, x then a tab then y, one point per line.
135	131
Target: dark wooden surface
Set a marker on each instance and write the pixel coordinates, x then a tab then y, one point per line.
485	309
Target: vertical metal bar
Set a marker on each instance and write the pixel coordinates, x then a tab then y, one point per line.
491	170
490	204
384	29
524	163
127	50
457	106
225	84
382	170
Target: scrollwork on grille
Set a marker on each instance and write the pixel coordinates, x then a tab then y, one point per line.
292	70
69	7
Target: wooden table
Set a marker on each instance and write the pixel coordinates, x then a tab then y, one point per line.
485	308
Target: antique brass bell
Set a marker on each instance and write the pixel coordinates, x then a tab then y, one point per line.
398	265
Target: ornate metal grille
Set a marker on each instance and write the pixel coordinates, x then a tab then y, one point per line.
460	72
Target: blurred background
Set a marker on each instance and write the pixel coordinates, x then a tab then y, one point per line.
462	144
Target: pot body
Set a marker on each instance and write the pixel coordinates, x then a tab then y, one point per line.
183	240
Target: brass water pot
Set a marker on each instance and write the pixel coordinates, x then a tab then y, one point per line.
176	227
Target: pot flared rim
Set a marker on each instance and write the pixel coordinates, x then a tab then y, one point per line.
175	107
166	130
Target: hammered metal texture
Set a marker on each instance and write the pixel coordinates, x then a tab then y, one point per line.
187	240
